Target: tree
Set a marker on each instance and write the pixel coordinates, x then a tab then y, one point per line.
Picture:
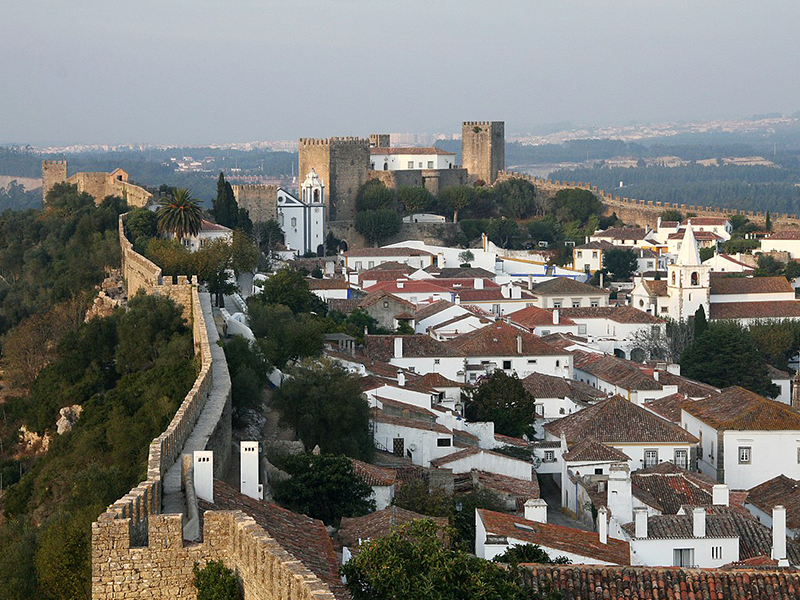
726	355
142	225
225	209
792	271
700	322
283	336
324	487
415	562
414	199
768	266
529	553
777	340
620	263
466	257
290	288
323	402
546	230
180	215
664	344
377	225
215	581
503	399
455	198
504	232
374	195
517	198
671	214
706	253
576	205
768	222
244	254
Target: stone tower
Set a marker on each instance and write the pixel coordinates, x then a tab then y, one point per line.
343	164
379	140
53	172
688	281
483	149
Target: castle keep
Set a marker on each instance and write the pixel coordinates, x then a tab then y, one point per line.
97	185
483	149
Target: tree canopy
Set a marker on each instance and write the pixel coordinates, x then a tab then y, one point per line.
377	225
620	263
180	215
374	195
503	399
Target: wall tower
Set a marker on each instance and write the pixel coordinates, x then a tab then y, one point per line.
688	281
53	172
483	149
379	140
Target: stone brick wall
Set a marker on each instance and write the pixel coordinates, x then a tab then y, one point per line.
316	154
483	149
261	201
645	213
343	164
53	172
97	185
437	234
432	179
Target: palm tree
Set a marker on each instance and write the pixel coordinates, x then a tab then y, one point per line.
180	215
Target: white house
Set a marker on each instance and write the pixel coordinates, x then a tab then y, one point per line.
368	258
421	441
720	226
744	439
616	329
783	241
621	236
589	256
724	263
208	232
563	292
303	219
558	396
410	159
780	490
467	459
382	481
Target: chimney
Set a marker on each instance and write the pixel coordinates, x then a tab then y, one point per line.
519	343
479	283
203	461
796	391
506	290
458	299
536	510
655	374
779	535
530	282
699	522
249	468
640	518
620	498
602	524
556	316
720	495
401	379
398	347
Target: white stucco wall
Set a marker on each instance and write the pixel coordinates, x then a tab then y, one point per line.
659	553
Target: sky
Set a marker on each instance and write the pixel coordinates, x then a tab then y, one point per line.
220	71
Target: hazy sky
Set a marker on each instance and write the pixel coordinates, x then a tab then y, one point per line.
199	71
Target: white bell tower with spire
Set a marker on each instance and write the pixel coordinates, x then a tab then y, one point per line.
688	280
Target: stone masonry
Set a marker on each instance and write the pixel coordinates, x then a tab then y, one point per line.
483	149
261	201
97	185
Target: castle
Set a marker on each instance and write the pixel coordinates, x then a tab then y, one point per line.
98	185
344	164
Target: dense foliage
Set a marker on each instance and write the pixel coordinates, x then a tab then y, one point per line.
215	581
503	399
377	225
324	487
529	553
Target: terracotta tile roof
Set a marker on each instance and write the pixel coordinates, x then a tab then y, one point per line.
665	527
588	582
327	284
718	221
778	490
739	409
459	272
621	233
616	420
618	314
501	339
381	347
655	287
397	251
533	316
668	407
390	266
511	441
429	425
374	297
428	310
437	380
565	285
755	310
303	537
467	452
700	236
598	245
509	485
378	525
749	285
618	371
379	150
412	411
687	387
787	234
777	373
558	537
728	257
209	226
409	286
666	487
540	385
485	295
457	321
591	450
342	305
374	475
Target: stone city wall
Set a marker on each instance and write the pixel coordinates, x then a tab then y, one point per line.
645	213
97	185
431	179
261	201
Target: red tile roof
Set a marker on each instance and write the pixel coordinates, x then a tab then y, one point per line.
437	380
533	316
655	287
565	285
486	295
467	452
711	221
617	420
509	485
778	490
623	373
558	537
668	407
599	245
429	425
374	475
666	487
428	310
381	347
618	314
540	385
739	409
788	234
327	284
621	233
700	236
374	297
582	582
501	339
303	537
755	310
379	150
592	450
410	286
750	285
378	525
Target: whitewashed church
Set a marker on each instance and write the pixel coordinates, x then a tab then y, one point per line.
303	219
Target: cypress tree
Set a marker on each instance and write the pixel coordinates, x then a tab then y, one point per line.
700	322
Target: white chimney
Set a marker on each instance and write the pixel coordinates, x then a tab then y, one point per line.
479	283
506	290
602	524
536	510
458	299
530	282
330	268
401	379
779	535
519	343
516	292
699	522
655	374
640	519
204	474
720	495
620	498
556	316
248	471
398	347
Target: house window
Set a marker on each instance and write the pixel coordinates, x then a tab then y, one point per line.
744	455
650	458
798	456
545	332
430	164
594	254
663	309
556	303
598	470
716	552
683	557
673	278
576	304
436	361
506	365
370	264
532	361
496	309
294	221
580	254
443	442
582	329
539	408
558	363
682	459
594	302
358	265
420	165
549	456
411	164
385	304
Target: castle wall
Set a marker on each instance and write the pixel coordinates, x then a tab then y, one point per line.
261	201
313	153
97	185
483	149
437	234
350	161
645	213
379	140
53	172
431	179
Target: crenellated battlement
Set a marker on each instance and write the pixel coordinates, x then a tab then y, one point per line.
338	141
480	123
49	163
